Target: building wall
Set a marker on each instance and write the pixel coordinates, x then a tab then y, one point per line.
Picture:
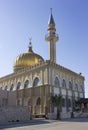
14	114
69	93
46	73
7	98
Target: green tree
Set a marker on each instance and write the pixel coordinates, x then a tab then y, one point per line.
57	101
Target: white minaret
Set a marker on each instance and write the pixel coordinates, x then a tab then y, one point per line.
51	38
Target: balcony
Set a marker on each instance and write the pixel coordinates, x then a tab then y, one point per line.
51	36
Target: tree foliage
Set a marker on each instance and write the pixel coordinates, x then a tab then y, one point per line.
56	99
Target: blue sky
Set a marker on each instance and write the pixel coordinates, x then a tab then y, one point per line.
22	19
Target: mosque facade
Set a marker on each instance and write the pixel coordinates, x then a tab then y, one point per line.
43	86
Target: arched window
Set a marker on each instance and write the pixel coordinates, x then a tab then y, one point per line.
11	88
6	87
63	102
64	83
56	82
38	102
18	85
76	87
81	88
36	82
26	84
69	102
70	85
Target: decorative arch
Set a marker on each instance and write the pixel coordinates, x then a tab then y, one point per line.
76	87
18	85
38	102
26	84
11	88
70	85
64	83
56	82
36	82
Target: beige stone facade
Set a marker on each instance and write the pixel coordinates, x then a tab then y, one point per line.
44	79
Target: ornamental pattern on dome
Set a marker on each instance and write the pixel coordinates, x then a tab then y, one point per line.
27	59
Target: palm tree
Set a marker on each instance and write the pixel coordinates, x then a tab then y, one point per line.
57	101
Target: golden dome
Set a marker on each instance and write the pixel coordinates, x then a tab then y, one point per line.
27	59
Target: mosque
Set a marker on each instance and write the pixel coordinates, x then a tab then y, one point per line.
42	85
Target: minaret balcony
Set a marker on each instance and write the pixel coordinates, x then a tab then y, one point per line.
52	36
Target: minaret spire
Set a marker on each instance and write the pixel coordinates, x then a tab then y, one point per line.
51	38
51	19
51	10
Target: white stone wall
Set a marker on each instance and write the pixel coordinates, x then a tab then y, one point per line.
12	98
9	96
65	115
3	94
14	114
64	109
56	91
